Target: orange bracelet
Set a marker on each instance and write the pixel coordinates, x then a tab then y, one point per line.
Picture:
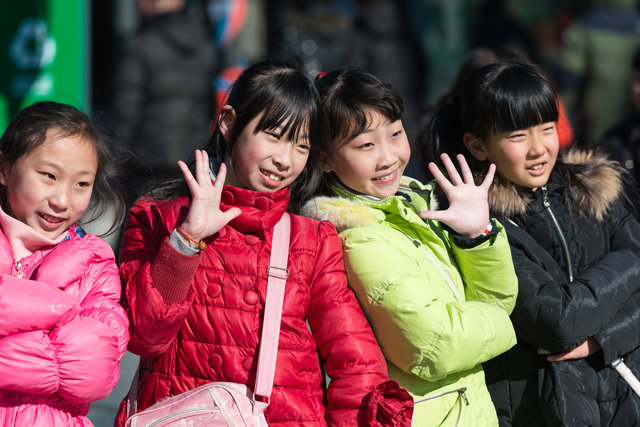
201	245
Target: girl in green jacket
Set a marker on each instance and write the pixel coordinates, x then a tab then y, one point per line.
437	286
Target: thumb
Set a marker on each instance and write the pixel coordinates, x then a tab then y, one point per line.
231	214
432	214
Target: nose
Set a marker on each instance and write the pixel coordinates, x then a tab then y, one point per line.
537	147
282	156
386	155
59	199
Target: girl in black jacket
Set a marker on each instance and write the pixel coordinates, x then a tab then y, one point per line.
575	244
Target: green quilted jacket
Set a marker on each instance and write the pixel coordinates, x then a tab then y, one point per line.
438	310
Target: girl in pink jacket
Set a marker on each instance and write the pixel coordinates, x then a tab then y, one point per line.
62	331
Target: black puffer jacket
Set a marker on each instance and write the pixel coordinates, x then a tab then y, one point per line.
163	97
577	257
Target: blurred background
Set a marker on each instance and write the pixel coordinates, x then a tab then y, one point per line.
154	72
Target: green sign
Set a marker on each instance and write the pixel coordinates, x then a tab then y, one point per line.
43	51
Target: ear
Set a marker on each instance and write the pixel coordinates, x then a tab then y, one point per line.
5	171
475	147
326	162
226	118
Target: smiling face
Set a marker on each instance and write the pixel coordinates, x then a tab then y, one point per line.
49	189
265	160
373	162
525	157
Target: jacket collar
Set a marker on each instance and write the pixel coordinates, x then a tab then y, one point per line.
349	208
600	185
260	210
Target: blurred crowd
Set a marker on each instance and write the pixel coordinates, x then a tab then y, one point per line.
174	59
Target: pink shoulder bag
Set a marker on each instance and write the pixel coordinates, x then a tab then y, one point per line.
223	403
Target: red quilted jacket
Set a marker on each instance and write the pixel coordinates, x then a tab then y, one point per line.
212	334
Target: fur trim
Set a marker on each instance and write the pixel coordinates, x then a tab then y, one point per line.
600	176
343	213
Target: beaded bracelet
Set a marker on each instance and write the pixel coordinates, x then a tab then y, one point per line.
201	245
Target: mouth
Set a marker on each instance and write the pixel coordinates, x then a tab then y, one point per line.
387	178
537	169
50	220
271	179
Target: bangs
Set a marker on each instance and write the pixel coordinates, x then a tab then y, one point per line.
530	107
290	117
352	119
509	96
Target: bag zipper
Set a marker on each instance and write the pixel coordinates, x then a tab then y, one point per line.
563	240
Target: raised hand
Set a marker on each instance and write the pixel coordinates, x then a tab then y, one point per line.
205	217
468	211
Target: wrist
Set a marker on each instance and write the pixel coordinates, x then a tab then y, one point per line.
193	242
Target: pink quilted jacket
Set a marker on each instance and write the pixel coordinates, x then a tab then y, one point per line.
62	331
212	334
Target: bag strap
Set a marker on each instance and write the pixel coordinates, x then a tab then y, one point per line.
278	273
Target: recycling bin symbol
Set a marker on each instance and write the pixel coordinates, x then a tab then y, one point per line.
32	48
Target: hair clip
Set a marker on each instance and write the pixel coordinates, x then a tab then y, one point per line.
320	75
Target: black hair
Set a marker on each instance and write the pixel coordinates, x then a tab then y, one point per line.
495	98
348	95
282	94
28	130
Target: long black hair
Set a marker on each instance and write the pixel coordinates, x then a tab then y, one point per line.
282	95
28	130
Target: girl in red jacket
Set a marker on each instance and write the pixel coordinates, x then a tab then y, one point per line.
62	331
194	262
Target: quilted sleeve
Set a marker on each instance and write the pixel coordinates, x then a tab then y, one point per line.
346	343
149	262
421	327
29	305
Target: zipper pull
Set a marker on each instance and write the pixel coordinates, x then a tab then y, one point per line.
545	200
463	395
19	273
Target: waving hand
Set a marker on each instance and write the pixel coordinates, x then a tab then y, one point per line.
205	217
468	211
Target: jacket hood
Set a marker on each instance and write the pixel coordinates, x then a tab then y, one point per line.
342	212
600	179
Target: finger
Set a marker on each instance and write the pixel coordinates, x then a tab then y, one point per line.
433	215
542	351
187	173
221	176
439	177
488	179
451	169
230	214
559	357
202	168
464	167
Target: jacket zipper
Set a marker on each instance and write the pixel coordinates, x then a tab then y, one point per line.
447	277
462	397
19	273
565	247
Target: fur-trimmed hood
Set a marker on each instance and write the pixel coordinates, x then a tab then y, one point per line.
348	209
600	178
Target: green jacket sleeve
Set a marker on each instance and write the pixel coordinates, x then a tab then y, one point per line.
420	326
488	273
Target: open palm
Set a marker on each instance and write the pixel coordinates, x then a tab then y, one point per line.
205	217
468	211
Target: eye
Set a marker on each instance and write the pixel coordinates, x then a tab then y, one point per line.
48	175
396	134
549	128
366	145
273	134
84	184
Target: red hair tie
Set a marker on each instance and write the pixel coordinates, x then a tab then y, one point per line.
320	75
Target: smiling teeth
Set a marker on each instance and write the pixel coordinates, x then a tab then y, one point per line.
536	167
275	177
50	218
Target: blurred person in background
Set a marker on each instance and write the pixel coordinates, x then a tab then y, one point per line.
622	141
163	97
593	73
